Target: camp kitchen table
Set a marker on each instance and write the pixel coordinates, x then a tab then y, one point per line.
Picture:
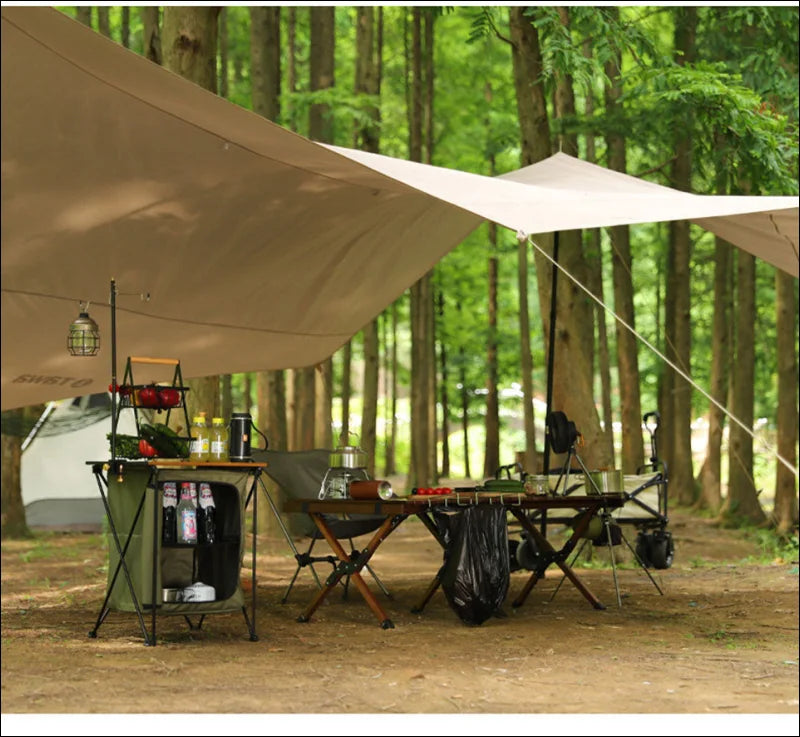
398	510
131	491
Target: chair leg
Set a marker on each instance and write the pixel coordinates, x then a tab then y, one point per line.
378	581
303	560
291	584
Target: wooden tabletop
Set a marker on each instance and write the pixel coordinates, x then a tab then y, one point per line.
455	501
167	463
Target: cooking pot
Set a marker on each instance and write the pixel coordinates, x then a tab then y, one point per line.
348	456
604	482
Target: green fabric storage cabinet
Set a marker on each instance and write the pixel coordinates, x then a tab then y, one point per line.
143	570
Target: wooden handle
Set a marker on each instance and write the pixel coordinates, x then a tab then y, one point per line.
155	361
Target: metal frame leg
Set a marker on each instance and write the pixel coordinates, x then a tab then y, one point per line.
121	552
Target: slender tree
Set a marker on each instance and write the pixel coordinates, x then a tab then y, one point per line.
84	14
622	266
125	27
12	509
190	49
574	393
151	33
594	260
320	128
678	319
742	493
421	440
103	21
785	508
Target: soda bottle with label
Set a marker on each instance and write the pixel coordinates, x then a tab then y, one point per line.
169	527
219	440
187	513
207	515
200	445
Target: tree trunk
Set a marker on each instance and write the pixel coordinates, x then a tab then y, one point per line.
622	264
320	128
265	61
12	508
573	395
680	466
84	14
223	52
491	452
189	37
443	389
226	396
151	33
125	27
189	43
742	493
271	412
347	364
785	509
321	64
367	82
304	408
103	22
710	476
390	466
594	260
428	19
420	472
465	416
369	414
291	72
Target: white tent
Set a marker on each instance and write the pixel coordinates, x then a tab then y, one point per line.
57	488
260	249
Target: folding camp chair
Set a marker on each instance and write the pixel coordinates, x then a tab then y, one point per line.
299	474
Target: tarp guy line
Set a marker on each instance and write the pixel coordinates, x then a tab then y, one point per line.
749	431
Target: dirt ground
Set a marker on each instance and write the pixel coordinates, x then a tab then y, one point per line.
721	640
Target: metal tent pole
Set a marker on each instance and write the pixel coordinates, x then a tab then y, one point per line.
551	354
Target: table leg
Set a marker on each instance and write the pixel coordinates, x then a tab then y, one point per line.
434	585
352	568
557	556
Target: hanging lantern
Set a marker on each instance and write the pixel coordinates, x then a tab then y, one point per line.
84	335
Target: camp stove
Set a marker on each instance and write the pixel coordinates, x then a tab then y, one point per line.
347	463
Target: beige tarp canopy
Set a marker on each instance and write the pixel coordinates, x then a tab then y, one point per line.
259	249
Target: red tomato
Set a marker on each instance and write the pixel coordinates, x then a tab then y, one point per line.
145	449
169	398
148	396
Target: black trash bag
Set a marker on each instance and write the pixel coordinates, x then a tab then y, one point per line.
475	575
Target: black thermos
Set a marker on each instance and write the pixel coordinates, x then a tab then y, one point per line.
241	427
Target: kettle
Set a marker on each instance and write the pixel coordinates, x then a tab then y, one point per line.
345	464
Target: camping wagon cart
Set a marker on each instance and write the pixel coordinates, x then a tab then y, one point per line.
143	571
644	506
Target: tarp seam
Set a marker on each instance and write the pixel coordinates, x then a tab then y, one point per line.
183	320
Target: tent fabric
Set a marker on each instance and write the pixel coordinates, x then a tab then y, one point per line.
259	248
566	193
